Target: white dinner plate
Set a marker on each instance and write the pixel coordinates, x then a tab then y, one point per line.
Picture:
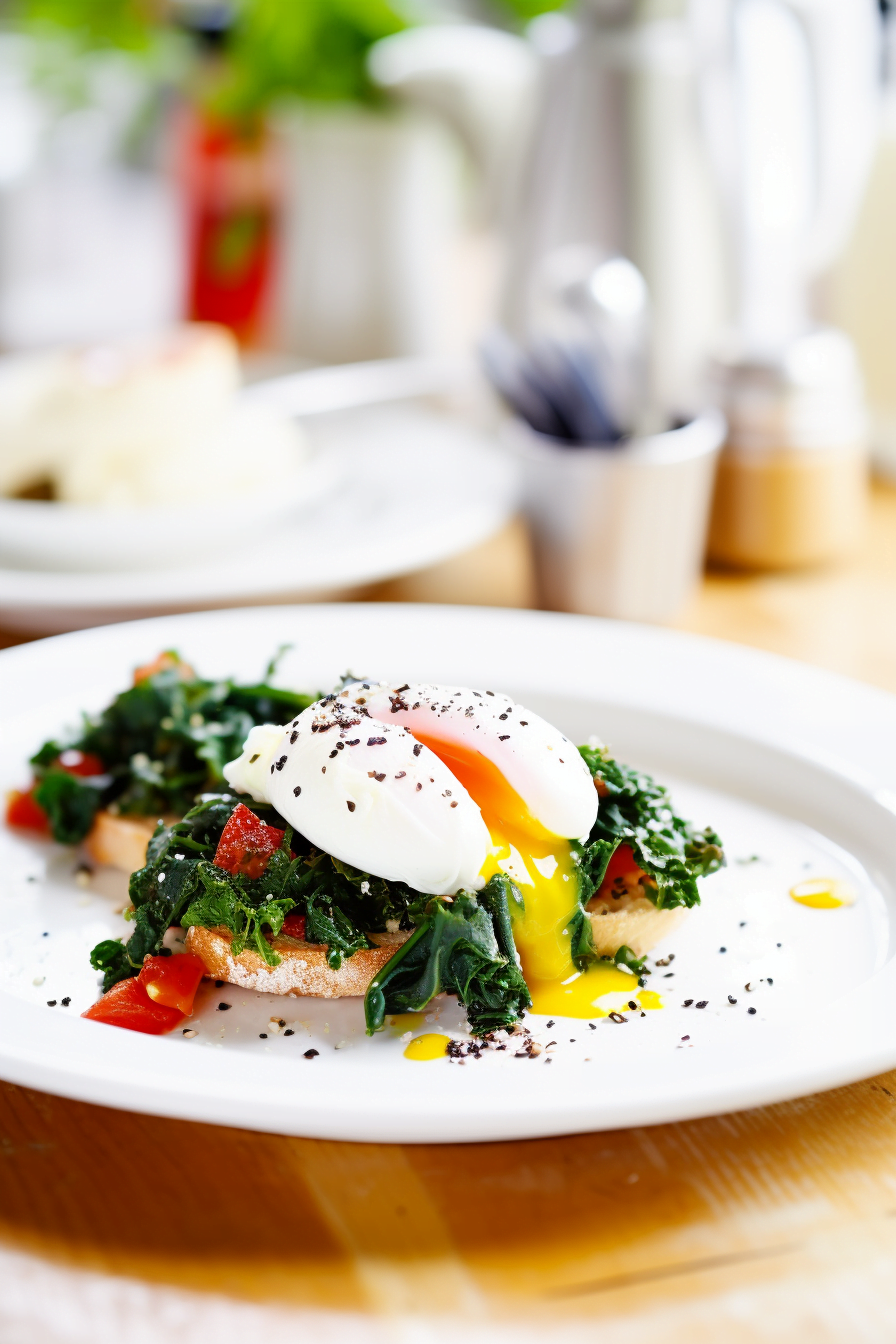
403	501
794	766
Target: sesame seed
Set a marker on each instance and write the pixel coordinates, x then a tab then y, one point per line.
253	759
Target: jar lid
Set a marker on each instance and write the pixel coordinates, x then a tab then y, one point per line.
807	395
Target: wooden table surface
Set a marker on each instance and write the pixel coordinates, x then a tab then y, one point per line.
772	1224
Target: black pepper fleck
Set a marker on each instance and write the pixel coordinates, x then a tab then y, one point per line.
218	984
703	1003
262	1035
51	1003
376	741
289	1032
349	804
223	1007
751	1010
297	790
66	1001
309	1054
502	737
732	999
687	1003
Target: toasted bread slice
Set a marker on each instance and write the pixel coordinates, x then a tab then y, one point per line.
634	923
303	967
120	841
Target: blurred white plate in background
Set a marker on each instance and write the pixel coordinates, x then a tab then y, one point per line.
54	537
414	487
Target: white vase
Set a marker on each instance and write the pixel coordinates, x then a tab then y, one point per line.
370	217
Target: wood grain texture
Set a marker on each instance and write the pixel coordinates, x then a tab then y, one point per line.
771	1217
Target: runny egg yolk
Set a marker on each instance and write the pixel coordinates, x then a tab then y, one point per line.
823	893
543	866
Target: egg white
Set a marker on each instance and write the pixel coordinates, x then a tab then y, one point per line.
349	774
369	794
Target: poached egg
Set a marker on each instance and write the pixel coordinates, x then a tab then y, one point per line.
439	787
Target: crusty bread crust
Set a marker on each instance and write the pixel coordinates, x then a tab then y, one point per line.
303	967
120	841
634	923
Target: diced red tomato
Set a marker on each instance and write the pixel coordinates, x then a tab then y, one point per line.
294	926
622	864
246	843
82	763
23	809
162	663
173	981
127	1004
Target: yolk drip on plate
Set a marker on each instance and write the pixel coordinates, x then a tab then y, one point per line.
543	867
823	893
429	1046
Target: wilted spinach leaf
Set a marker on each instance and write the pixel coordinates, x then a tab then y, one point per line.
460	947
161	743
636	811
